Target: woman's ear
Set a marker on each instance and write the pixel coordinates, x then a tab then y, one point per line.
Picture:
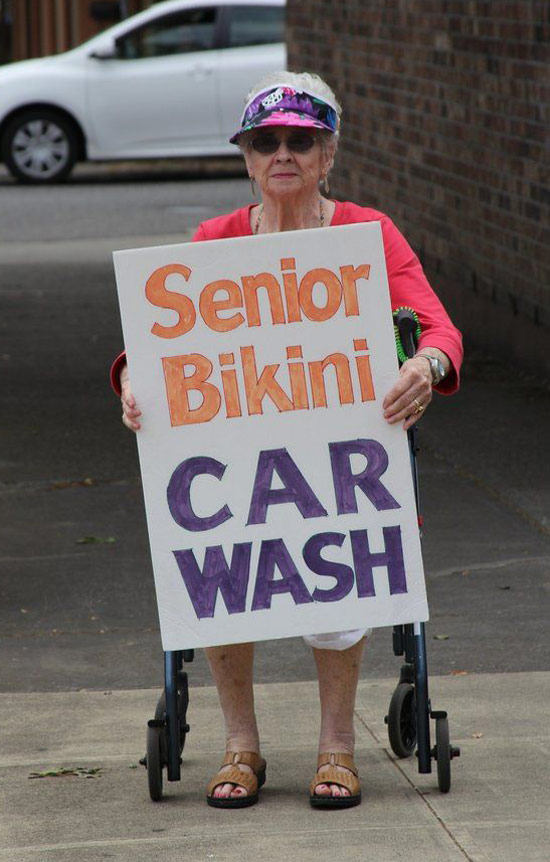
248	162
328	152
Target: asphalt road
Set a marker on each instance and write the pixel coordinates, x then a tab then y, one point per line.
77	615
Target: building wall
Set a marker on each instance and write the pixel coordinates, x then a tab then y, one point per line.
446	128
41	27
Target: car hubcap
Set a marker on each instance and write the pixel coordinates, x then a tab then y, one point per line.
40	149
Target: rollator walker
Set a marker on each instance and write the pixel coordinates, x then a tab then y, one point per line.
410	709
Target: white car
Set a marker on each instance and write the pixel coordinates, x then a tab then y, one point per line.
169	81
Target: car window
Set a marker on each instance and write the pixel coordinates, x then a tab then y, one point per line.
191	30
255	25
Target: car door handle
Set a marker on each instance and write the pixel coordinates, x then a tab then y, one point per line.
201	70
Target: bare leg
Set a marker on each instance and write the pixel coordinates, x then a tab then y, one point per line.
231	668
338	674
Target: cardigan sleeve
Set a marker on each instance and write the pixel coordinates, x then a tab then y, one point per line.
409	286
114	373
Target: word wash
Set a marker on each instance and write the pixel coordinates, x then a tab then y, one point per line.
234	379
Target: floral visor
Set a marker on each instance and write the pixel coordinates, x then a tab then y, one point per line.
282	105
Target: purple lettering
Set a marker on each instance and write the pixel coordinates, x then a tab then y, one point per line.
231	581
296	490
368	480
391	557
343	574
179	494
274	554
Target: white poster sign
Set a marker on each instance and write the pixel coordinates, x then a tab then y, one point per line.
279	501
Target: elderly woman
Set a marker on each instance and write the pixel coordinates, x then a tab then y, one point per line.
288	136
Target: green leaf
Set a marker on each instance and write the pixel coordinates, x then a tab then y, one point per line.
78	771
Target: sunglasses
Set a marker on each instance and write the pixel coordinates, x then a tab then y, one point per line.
297	142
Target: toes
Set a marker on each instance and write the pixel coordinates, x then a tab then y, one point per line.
223	791
331	790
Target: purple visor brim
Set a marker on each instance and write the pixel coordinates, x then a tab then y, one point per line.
285	106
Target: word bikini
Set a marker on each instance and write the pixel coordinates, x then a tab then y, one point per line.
225	305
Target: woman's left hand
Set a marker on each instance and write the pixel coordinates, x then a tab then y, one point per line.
407	401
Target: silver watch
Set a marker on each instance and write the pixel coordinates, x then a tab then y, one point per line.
436	366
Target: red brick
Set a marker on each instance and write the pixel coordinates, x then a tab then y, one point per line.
445	127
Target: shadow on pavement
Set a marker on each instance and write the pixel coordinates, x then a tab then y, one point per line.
150	170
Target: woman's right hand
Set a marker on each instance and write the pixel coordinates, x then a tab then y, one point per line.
130	412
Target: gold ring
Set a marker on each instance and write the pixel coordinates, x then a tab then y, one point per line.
419	407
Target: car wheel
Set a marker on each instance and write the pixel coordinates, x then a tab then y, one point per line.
40	146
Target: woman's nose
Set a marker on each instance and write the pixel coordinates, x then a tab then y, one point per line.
283	153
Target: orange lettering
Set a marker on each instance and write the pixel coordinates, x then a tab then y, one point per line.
364	370
230	387
334	294
209	306
157	294
178	386
343	378
251	285
365	378
257	388
290	283
297	375
349	281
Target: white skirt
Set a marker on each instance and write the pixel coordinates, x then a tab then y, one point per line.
337	640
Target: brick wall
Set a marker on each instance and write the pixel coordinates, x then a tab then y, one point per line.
38	28
446	128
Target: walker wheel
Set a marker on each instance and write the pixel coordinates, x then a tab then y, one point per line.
443	754
160	709
401	720
154	762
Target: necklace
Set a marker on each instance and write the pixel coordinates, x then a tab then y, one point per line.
261	215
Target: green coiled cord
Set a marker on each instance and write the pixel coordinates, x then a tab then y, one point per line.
401	355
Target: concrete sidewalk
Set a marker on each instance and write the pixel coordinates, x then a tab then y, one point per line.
496	810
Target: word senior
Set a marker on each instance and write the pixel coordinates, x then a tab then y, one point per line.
276	570
286	304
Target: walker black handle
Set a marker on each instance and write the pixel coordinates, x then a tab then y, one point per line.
407	327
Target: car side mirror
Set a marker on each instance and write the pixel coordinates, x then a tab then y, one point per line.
108	51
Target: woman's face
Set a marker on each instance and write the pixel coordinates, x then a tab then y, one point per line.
297	164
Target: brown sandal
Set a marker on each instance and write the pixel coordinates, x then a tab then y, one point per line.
240	778
334	776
